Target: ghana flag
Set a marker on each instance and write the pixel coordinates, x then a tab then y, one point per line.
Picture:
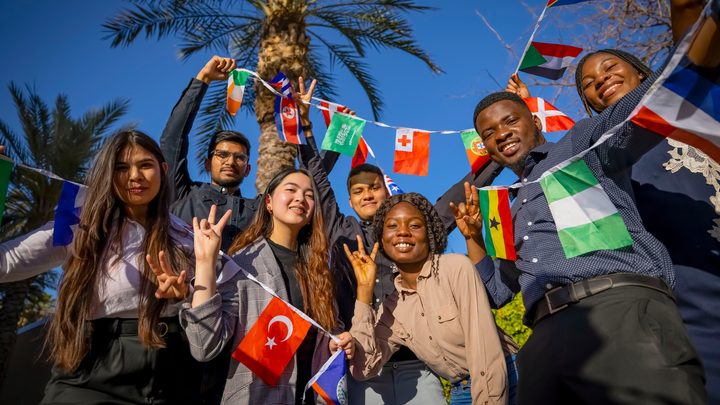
497	222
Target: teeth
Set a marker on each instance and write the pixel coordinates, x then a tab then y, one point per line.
509	145
402	245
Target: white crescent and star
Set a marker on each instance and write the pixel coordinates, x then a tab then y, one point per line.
288	323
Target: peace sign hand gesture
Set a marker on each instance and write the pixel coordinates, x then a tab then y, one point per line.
365	269
467	215
170	284
208	236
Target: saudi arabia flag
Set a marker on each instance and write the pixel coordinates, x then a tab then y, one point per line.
585	218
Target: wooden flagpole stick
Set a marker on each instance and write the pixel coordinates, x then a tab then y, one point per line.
532	36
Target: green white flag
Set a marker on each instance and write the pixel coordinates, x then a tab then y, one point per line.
6	167
585	218
343	134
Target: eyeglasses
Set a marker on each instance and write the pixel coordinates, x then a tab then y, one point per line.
237	157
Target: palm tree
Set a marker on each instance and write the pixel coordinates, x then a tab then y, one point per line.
54	141
291	36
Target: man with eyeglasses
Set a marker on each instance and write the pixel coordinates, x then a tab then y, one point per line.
226	162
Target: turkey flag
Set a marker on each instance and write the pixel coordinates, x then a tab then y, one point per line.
272	342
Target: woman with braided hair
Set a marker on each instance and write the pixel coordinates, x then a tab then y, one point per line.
439	308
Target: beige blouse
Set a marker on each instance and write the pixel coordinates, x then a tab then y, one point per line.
446	322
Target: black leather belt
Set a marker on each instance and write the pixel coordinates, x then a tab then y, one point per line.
561	297
129	327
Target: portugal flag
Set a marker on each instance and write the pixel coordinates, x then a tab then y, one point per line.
272	342
548	60
476	152
497	223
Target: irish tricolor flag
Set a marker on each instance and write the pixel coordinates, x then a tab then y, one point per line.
235	90
497	222
585	218
548	60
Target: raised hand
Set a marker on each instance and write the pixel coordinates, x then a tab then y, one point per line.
170	285
345	342
216	68
467	215
365	269
517	86
208	236
304	97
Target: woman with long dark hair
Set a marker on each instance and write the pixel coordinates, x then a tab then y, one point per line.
111	339
439	308
286	249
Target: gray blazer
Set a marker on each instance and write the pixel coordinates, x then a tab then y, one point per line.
228	316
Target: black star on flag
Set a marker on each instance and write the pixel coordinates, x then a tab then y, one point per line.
494	223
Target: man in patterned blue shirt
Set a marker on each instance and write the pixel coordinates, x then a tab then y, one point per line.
606	328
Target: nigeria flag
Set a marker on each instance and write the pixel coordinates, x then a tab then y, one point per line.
585	218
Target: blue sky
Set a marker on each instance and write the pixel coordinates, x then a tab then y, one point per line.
58	47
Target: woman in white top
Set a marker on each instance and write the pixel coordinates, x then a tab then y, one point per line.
111	339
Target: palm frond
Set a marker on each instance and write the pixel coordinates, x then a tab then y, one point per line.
344	55
390	5
316	68
14	146
244	38
161	21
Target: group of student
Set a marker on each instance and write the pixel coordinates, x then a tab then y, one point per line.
141	317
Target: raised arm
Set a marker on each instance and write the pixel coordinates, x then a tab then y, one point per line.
30	254
375	338
469	222
174	141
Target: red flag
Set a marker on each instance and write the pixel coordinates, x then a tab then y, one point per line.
287	119
272	342
551	118
332	108
361	153
412	152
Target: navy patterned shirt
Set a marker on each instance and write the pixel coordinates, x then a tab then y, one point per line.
541	264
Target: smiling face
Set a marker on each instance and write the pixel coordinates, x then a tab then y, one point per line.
137	178
292	202
606	79
367	191
509	132
228	165
405	237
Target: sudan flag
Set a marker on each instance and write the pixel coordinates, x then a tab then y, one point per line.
497	223
548	60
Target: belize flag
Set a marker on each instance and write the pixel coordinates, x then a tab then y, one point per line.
67	212
686	107
330	382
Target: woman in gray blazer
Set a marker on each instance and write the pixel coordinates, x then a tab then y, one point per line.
286	249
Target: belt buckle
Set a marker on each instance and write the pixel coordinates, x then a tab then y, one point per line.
163	328
552	310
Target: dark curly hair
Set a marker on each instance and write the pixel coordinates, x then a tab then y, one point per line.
436	233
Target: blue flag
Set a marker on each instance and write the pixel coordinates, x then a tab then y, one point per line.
330	382
392	187
67	212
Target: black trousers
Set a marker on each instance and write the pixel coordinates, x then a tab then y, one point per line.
119	369
626	345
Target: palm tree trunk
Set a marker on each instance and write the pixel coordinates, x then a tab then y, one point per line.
283	47
13	302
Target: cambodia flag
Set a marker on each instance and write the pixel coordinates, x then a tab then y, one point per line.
330	382
67	212
272	342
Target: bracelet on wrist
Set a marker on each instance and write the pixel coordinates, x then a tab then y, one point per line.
306	127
